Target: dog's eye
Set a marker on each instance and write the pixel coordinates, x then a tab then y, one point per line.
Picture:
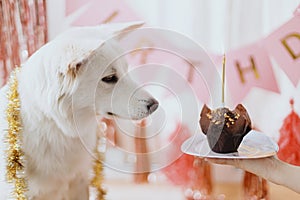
110	79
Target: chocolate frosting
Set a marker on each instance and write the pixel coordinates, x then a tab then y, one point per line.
224	128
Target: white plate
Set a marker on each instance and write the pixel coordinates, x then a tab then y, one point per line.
254	145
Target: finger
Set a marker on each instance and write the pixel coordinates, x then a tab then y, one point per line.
233	162
216	160
262	166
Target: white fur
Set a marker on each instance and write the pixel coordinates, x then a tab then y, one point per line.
58	107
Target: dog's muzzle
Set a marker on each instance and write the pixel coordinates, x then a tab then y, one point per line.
152	105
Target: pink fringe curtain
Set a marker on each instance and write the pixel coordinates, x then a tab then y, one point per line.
23	29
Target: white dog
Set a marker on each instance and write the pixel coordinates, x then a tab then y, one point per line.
62	87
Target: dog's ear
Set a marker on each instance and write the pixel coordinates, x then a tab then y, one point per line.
120	30
75	66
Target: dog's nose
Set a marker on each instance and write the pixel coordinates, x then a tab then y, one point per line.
152	105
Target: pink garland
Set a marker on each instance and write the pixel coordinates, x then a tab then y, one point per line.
23	30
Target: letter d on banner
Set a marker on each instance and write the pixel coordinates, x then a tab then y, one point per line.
290	40
284	45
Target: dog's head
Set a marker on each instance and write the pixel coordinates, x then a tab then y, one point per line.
95	73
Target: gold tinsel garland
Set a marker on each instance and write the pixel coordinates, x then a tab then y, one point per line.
97	181
15	156
15	169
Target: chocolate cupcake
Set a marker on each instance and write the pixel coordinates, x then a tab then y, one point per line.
224	128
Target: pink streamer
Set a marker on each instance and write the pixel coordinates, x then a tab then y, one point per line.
23	29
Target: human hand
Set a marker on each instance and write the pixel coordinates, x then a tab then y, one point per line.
264	167
270	168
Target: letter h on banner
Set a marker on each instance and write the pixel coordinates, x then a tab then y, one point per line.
246	69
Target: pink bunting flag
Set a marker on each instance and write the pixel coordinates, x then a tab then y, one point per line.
284	46
73	5
198	83
168	70
249	67
297	11
102	11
